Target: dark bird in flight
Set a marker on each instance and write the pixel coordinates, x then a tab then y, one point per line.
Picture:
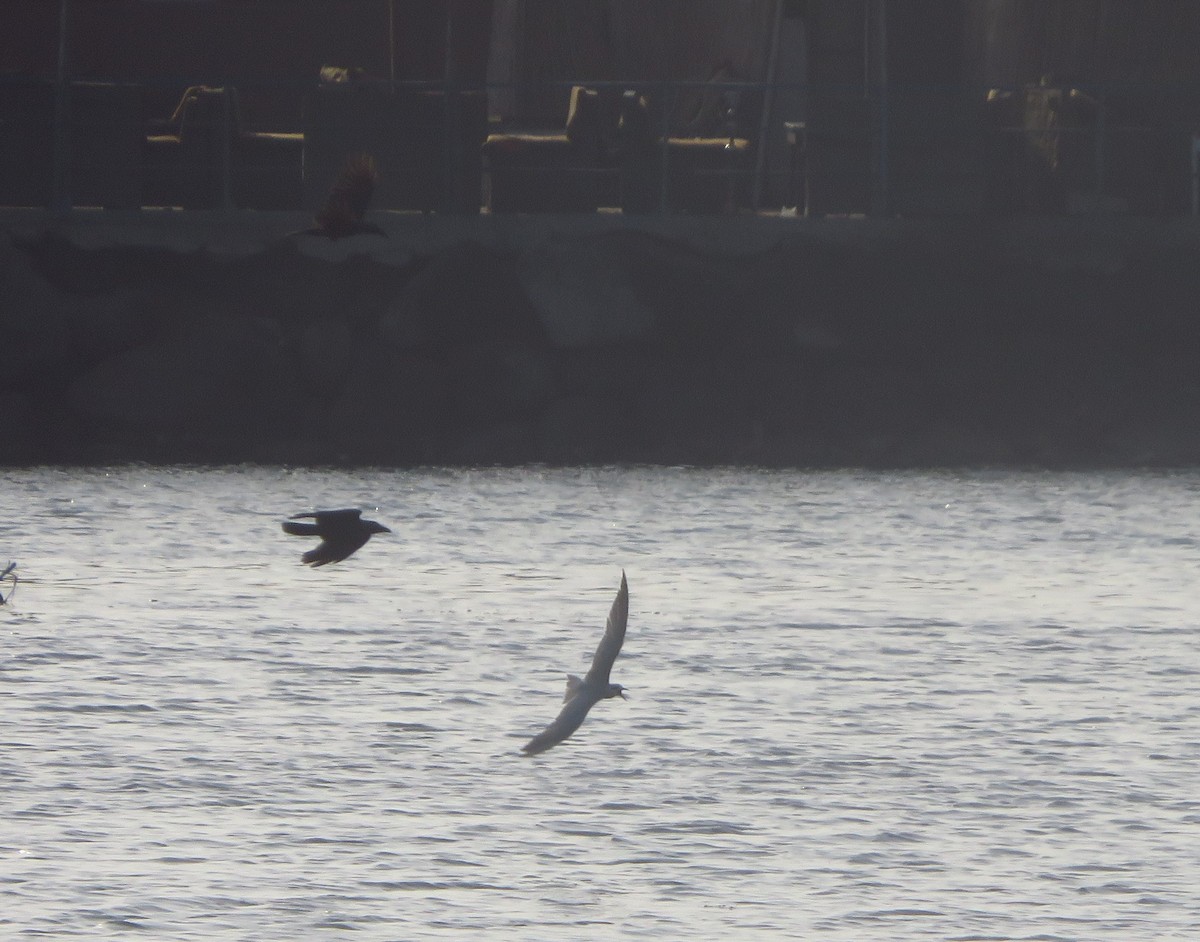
342	214
341	533
584	694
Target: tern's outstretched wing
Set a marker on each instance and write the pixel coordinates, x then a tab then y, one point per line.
610	644
569	719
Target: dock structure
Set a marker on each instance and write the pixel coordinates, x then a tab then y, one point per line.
824	107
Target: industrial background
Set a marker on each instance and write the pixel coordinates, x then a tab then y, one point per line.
922	107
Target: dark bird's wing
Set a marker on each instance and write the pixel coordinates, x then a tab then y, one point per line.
610	644
350	196
328	522
569	719
300	529
334	549
331	518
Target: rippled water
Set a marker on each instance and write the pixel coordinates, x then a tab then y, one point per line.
865	706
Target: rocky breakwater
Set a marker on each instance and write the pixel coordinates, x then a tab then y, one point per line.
945	347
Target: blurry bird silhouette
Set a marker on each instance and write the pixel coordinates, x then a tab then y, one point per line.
342	214
341	532
584	694
9	571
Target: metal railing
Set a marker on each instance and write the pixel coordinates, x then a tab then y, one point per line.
925	149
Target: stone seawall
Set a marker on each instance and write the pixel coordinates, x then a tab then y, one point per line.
781	342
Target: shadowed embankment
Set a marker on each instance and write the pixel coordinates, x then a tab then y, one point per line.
1036	342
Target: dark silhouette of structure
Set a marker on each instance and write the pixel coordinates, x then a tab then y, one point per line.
342	214
584	694
341	532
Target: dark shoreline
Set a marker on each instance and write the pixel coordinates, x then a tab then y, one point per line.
205	338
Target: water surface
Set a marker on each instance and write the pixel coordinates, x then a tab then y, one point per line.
865	706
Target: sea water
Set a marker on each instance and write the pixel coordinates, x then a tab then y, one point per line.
959	706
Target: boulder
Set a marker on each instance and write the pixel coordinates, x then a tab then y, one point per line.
34	330
584	430
617	370
391	403
465	294
491	382
694	411
217	377
19	443
505	443
47	333
325	352
583	290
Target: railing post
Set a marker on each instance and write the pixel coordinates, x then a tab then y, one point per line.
667	97
1101	142
797	140
881	183
225	154
60	189
452	196
767	105
1195	174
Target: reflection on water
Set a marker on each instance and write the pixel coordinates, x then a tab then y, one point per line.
864	706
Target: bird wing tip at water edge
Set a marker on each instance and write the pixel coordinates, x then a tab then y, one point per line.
533	747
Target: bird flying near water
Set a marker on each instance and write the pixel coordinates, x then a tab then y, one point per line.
10	572
341	532
584	694
342	214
